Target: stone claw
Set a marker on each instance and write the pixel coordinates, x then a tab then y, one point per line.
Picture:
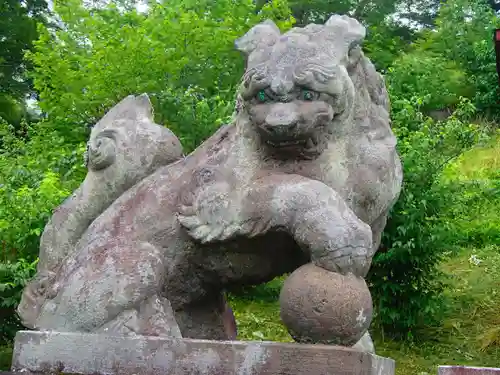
204	231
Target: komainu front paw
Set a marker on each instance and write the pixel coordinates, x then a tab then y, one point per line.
336	238
344	260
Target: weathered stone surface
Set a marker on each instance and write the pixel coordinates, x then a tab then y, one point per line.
124	147
365	344
305	173
464	370
330	308
74	353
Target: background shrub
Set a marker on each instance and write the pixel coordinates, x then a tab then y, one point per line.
437	80
13	277
404	278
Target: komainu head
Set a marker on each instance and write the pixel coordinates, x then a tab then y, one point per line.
303	88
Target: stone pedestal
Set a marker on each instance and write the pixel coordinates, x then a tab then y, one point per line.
463	370
76	353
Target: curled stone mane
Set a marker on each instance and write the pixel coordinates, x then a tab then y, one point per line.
329	52
314	71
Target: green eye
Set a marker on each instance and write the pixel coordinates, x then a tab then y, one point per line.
307	95
261	96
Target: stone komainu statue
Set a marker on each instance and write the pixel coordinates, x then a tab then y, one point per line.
301	181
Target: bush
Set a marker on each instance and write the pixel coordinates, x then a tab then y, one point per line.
424	75
485	77
476	217
464	36
404	278
5	358
173	51
36	174
13	278
478	222
385	42
192	114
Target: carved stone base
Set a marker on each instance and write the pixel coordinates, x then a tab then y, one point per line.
76	353
464	370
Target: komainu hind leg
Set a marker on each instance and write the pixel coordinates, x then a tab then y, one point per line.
154	317
113	287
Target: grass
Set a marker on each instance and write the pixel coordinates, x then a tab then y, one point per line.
478	163
5	358
469	334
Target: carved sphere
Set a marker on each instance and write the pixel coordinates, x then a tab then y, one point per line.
319	306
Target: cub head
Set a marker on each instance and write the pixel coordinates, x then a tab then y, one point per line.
299	90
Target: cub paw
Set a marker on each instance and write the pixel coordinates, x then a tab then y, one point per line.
215	214
206	228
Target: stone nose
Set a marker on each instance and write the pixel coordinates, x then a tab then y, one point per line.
281	121
280	130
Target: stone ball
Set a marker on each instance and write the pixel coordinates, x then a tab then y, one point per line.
323	307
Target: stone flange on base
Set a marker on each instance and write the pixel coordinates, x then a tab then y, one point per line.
465	370
91	354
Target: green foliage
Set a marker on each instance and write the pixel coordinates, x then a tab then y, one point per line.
483	71
460	24
5	358
11	110
257	312
25	211
464	35
204	114
478	225
318	11
187	47
476	217
17	33
424	75
468	334
13	277
385	42
420	13
404	278
35	176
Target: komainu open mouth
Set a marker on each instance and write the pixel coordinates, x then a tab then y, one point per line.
305	143
286	143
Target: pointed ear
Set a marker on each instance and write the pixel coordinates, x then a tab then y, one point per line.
352	31
263	34
131	107
345	32
144	107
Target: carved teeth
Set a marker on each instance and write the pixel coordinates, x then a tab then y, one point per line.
310	143
285	143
